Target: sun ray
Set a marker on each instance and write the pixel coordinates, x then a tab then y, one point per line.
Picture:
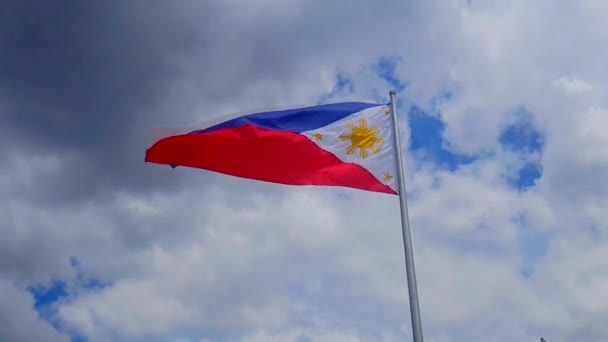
362	123
363	153
351	149
345	136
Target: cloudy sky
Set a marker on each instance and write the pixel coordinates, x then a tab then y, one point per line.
504	106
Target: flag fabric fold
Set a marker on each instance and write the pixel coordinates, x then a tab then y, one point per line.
342	144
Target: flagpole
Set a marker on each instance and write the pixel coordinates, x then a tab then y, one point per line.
405	228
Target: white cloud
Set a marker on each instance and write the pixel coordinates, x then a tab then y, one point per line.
340	258
572	85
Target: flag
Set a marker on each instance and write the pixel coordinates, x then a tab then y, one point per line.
342	144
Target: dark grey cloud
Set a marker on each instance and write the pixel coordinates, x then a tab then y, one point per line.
89	82
83	85
82	81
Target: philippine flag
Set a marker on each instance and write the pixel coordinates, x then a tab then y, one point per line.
342	144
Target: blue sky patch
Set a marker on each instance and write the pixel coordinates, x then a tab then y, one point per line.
521	136
528	175
385	68
46	296
427	142
343	85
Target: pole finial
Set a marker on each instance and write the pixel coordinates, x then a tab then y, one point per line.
392	92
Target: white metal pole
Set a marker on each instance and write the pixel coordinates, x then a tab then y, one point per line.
405	228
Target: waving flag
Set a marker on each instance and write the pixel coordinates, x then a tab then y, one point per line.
342	144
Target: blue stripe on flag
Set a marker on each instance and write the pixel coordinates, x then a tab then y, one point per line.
294	120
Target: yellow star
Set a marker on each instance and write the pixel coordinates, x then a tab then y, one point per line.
318	136
386	110
362	137
387	176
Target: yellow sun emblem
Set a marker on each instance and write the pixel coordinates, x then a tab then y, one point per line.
363	138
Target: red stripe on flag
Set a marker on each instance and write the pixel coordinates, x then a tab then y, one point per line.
265	155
